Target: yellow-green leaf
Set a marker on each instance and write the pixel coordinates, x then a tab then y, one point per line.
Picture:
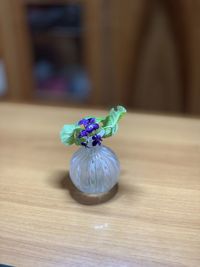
67	134
110	124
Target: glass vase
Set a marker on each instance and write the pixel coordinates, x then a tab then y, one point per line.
94	170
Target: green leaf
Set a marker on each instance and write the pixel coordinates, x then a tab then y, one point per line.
99	119
78	140
110	124
67	134
109	131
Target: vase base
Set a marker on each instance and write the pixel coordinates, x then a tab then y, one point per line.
91	199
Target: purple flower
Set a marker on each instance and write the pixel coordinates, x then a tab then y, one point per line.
96	140
91	120
91	127
82	134
83	122
96	126
86	122
84	144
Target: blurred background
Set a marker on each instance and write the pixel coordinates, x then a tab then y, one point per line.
143	54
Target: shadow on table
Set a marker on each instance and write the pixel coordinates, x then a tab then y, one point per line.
62	180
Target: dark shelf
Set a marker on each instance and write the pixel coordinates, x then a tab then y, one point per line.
58	33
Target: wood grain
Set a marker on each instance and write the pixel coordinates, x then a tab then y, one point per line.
126	23
16	49
190	13
158	84
92	47
154	220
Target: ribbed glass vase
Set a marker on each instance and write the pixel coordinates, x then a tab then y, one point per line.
95	169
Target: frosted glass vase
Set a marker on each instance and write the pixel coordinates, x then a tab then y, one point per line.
95	169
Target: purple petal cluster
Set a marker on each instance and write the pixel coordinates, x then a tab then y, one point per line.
96	140
85	122
83	133
90	126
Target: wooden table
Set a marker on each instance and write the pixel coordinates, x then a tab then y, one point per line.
154	220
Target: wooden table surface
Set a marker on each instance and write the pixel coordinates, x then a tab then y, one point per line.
154	220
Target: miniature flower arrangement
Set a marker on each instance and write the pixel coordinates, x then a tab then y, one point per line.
94	168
